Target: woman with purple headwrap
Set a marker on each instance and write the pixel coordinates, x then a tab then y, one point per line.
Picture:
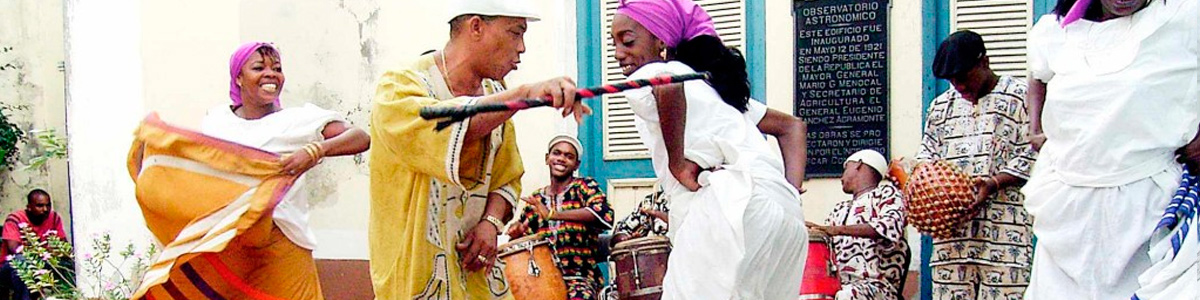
736	223
304	135
256	118
1115	86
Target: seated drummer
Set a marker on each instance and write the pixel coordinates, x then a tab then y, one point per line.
649	218
867	231
571	213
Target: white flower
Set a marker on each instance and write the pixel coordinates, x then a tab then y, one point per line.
51	232
23	225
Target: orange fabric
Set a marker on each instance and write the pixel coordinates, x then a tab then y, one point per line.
209	202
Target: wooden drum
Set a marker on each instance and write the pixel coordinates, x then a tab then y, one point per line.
641	264
531	269
820	271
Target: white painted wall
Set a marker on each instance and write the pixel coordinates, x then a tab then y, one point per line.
104	104
129	58
32	89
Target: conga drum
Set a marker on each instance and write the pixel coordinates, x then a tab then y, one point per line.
641	264
531	269
820	272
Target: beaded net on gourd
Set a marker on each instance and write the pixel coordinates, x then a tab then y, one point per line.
939	197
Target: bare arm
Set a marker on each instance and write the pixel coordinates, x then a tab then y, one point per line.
340	139
1004	180
11	246
986	186
792	133
478	248
1035	97
857	230
482	124
343	139
581	215
672	117
498	207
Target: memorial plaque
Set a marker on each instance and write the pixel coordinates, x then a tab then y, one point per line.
841	79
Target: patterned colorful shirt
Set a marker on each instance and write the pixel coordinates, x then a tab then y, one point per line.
638	224
985	140
880	262
574	243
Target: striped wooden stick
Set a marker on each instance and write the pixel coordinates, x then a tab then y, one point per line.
459	113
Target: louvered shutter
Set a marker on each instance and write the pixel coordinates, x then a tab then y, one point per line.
1003	24
621	139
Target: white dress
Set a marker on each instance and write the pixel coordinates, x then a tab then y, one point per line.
742	235
1122	96
282	132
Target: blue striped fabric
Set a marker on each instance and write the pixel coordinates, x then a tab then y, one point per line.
1180	216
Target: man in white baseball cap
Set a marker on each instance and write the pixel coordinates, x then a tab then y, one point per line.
867	231
439	198
506	8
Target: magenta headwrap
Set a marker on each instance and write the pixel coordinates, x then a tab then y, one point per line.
235	67
1076	12
672	21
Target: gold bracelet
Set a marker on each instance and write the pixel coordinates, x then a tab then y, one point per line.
305	149
312	153
494	221
550	215
320	149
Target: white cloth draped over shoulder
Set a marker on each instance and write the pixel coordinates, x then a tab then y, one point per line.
282	132
744	229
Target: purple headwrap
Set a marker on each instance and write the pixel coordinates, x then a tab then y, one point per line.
235	67
1076	12
672	21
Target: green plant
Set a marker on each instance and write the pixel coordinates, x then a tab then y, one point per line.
102	268
10	136
53	147
46	264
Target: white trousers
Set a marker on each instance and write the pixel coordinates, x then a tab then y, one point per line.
737	238
1093	242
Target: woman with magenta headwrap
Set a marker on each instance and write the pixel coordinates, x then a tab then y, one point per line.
1114	103
259	245
736	223
256	118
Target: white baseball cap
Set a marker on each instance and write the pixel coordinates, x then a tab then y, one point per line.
502	8
871	158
